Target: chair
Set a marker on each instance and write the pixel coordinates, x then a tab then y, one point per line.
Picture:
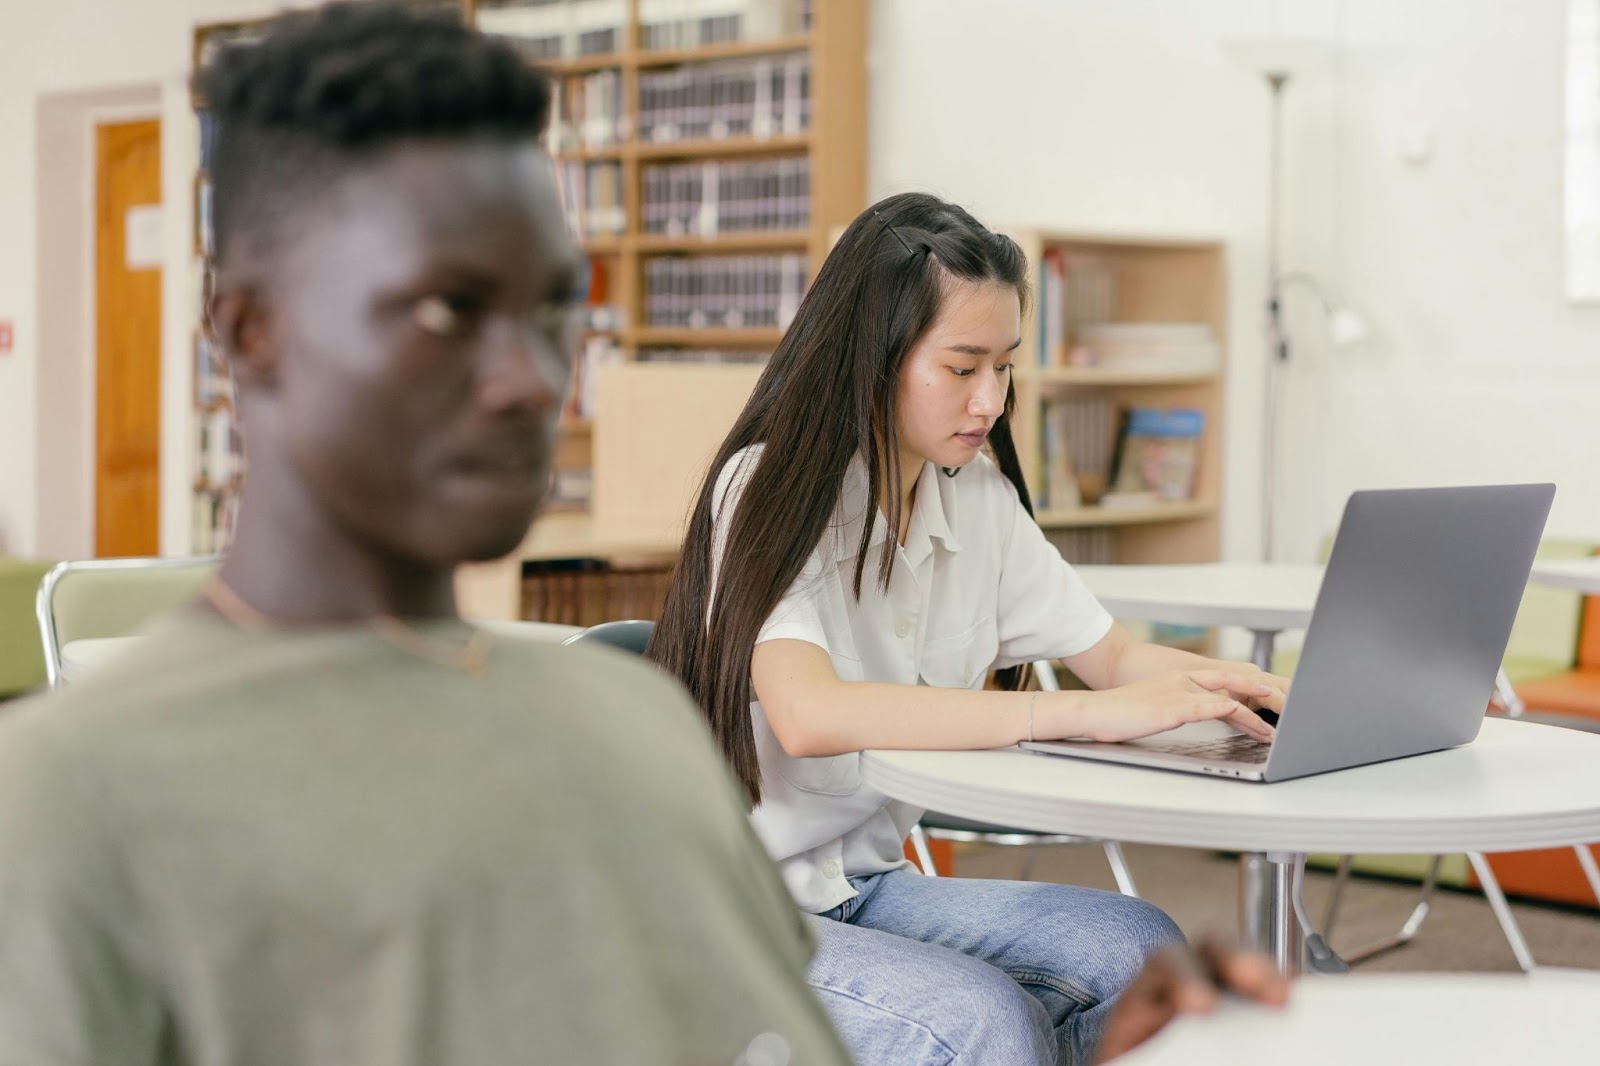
100	598
939	826
631	635
634	635
21	657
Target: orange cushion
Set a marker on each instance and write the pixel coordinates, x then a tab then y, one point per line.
1552	874
1575	692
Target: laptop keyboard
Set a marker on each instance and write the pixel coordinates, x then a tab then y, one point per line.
1234	749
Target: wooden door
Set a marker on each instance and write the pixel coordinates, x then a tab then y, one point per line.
127	338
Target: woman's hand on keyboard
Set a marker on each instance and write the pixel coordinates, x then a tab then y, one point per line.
1165	702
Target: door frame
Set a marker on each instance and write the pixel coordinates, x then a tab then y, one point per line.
66	296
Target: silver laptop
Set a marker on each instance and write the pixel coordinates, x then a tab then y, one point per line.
1410	625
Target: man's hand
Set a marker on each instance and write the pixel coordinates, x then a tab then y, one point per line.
1180	981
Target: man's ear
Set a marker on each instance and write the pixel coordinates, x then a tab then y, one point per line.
241	326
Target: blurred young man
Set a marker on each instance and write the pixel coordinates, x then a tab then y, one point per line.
320	819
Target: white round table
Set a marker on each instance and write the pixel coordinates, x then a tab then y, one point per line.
1265	598
1581	575
1395	1020
1519	786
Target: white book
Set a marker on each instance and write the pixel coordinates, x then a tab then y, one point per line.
761	126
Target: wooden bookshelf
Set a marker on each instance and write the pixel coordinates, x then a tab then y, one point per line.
655	424
1154	280
834	144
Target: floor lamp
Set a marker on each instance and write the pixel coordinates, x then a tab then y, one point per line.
1344	326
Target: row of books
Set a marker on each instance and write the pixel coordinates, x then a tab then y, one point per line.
588	112
213	516
592	195
545	30
1092	546
1073	291
727	292
542	29
696	23
768	96
593	353
219	452
1096	453
705	199
213	384
1077	432
691	32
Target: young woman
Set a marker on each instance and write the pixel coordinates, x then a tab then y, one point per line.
856	564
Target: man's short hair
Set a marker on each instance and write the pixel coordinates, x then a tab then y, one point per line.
327	88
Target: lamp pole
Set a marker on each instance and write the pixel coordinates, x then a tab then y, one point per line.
1277	338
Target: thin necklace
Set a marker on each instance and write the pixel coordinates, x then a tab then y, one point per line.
471	657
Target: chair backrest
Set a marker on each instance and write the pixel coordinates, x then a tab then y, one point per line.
631	635
110	598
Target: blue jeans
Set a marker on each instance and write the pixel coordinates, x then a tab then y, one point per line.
947	970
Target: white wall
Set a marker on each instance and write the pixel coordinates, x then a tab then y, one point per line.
1110	115
91	47
1129	116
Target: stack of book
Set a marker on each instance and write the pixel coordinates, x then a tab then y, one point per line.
705	199
724	292
1079	431
769	96
1151	347
1156	456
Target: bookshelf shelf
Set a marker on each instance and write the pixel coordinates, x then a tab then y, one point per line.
671	57
1094	517
707	147
1094	377
1148	297
743	241
602	245
649	336
720	146
584	64
603	153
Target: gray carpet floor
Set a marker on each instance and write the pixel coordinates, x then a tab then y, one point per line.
1199	890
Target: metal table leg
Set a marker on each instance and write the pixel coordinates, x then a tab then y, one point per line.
1261	648
1266	908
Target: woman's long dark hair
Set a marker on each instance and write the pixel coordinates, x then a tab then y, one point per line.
827	394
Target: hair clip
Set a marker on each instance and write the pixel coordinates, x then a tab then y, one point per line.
894	231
